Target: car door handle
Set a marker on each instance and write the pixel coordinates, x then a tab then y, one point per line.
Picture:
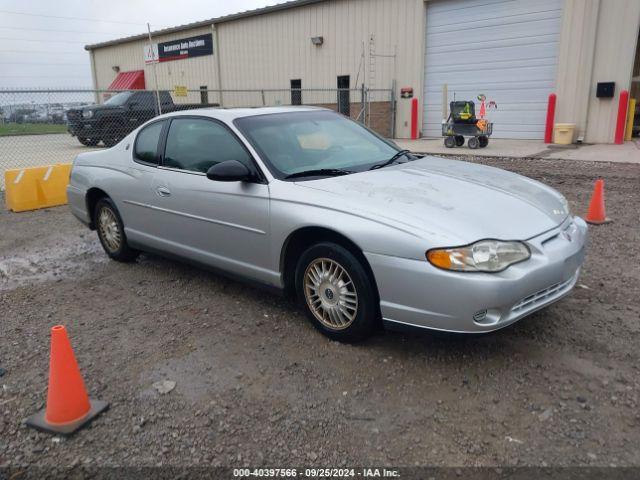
163	191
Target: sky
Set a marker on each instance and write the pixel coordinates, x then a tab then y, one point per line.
42	41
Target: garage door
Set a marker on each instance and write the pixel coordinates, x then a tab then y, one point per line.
507	50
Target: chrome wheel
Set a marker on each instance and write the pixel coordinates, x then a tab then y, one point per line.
330	293
109	229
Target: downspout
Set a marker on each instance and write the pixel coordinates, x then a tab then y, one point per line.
593	62
94	76
216	53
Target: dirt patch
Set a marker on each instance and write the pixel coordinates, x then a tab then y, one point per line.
257	385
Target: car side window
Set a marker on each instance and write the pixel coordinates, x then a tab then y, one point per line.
146	146
196	145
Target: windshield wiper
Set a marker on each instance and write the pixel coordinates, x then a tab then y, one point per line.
391	160
321	172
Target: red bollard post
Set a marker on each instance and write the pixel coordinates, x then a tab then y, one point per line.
622	117
551	116
414	119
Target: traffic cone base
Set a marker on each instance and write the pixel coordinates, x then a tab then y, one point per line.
38	421
600	222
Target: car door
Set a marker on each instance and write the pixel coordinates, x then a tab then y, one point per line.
223	224
137	192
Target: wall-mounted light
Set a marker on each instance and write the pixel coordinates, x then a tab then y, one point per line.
115	68
317	41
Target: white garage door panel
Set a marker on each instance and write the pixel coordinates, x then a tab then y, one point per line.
506	49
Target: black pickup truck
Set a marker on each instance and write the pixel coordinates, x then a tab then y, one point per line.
111	121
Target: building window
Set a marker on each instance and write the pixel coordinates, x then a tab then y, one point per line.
344	98
296	92
204	95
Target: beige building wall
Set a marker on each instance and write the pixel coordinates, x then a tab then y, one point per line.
192	72
598	44
267	51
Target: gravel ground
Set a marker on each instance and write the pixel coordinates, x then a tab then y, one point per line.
256	385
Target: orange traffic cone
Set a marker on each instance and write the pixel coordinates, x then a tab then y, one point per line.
68	406
596	214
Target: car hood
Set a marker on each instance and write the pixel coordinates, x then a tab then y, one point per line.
461	200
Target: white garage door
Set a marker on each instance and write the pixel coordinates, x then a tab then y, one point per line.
505	49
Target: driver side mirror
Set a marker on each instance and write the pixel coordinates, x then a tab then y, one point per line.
230	171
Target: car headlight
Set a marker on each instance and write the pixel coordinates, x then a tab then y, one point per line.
482	256
87	114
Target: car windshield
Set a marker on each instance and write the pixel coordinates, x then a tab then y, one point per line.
118	99
295	142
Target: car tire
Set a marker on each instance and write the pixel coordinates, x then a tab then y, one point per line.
89	142
111	231
336	292
112	136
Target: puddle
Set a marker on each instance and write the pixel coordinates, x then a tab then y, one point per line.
65	258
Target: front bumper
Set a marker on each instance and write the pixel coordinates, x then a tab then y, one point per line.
415	293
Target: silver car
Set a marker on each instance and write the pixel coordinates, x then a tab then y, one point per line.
317	206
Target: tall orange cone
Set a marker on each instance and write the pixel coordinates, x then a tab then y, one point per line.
68	405
596	213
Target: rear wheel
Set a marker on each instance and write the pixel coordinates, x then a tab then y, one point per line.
336	292
473	143
112	135
449	142
484	141
89	142
459	140
111	231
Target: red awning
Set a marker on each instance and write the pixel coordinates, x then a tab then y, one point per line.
133	80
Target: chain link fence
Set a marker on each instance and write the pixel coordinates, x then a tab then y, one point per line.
41	127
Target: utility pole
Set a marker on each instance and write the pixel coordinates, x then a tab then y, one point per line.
155	73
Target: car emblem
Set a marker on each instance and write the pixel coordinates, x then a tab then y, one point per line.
329	293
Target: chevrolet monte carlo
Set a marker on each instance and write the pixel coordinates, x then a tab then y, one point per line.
309	202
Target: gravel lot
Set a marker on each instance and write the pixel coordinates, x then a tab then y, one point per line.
257	385
20	151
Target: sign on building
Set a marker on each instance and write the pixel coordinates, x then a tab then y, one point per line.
182	48
151	53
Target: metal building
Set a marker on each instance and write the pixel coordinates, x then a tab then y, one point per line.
516	52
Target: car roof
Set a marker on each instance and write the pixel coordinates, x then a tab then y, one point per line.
230	114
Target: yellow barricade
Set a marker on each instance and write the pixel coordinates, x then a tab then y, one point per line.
36	187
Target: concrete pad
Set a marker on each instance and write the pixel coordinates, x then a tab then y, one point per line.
496	148
629	152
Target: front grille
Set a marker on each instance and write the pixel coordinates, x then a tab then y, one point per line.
540	297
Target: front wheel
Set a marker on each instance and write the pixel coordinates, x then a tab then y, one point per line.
336	292
89	142
111	231
449	142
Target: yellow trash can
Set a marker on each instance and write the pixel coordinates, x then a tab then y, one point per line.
563	133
